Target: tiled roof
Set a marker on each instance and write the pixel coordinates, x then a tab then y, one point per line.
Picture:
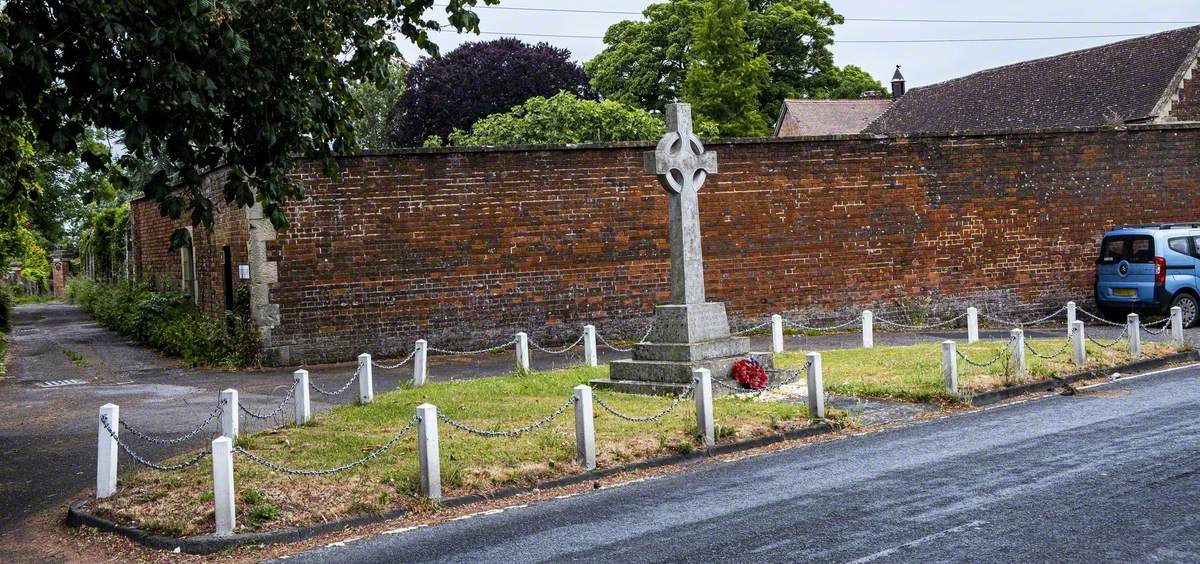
828	117
1116	83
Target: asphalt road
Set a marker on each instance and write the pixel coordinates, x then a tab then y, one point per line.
1108	475
48	435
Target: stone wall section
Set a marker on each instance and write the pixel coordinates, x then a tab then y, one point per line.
464	248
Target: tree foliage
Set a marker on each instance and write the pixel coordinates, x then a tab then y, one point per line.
646	62
476	80
848	82
565	118
103	239
726	76
198	84
373	127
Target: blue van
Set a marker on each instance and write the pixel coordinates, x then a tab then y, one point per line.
1149	269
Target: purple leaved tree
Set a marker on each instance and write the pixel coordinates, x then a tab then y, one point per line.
477	80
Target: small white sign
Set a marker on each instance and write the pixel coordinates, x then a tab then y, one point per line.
244	271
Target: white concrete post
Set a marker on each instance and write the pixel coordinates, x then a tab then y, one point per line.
366	387
950	366
1078	344
589	345
972	325
1017	350
1071	317
303	409
776	333
1176	326
702	380
428	457
816	387
1133	326
585	428
229	413
106	450
868	329
222	471
522	352
419	367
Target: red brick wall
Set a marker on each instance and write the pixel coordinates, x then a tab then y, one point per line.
1188	106
152	239
465	248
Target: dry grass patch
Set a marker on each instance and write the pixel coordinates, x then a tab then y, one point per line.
181	503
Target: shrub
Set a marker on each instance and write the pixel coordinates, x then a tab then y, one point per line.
170	322
6	303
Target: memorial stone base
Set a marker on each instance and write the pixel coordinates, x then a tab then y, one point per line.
684	338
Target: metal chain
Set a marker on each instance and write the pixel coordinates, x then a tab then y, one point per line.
476	351
1057	353
1124	333
1020	323
798	325
140	460
1160	331
273	412
929	326
754	328
306	472
398	365
344	387
1003	352
559	351
216	412
610	345
645	336
511	432
1098	318
657	416
738	389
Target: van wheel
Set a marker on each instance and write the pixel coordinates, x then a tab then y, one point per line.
1189	306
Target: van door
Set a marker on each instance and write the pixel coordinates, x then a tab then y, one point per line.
1125	269
1180	256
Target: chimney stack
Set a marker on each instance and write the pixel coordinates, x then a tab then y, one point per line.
897	84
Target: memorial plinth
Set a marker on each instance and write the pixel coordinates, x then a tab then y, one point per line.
689	332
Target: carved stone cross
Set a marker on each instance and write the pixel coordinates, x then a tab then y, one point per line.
682	164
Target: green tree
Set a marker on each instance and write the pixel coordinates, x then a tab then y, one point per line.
199	84
373	126
848	82
566	118
645	62
726	76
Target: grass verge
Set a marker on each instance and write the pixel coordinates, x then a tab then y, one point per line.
181	503
914	372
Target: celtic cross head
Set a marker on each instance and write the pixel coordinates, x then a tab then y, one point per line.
680	161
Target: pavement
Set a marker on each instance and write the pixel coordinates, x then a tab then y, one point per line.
1111	474
48	435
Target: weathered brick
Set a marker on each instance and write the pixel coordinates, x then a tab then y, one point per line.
427	243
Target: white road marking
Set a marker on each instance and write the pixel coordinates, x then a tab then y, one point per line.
58	383
914	543
402	530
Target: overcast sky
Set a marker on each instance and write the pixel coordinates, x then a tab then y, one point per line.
923	63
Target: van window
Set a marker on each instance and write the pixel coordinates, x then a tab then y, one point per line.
1179	245
1132	248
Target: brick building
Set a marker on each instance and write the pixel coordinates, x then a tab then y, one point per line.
466	246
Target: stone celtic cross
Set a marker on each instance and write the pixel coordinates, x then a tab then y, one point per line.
682	164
